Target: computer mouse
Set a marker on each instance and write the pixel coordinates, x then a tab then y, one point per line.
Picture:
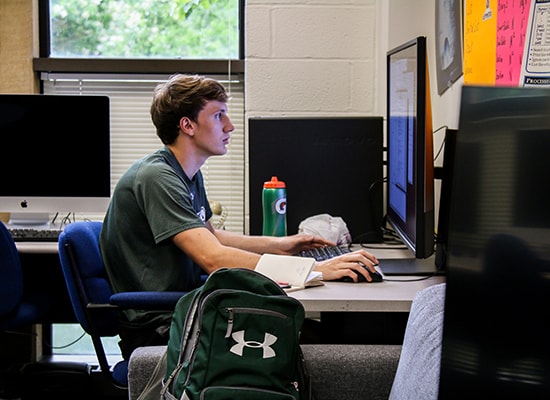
376	277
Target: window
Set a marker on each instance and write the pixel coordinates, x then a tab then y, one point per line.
122	49
175	29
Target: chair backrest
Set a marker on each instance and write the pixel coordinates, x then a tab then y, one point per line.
11	274
96	308
89	291
86	277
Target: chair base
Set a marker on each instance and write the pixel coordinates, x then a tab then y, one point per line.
60	380
67	380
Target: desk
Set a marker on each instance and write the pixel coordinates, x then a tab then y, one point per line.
387	296
371	313
36	247
344	309
395	294
42	273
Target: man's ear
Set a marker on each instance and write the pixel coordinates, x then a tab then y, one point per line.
186	126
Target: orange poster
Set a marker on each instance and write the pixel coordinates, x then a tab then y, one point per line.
480	22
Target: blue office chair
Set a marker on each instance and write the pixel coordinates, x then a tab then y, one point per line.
94	304
18	307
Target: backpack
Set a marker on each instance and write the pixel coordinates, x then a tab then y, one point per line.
236	337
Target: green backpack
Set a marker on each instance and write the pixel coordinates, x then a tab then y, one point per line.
236	337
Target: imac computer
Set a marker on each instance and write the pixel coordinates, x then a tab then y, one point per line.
410	165
330	165
55	156
496	319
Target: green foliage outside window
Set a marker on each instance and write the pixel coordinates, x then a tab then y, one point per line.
173	29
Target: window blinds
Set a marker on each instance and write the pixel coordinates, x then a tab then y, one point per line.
133	134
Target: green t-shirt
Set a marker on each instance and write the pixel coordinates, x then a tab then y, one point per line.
153	201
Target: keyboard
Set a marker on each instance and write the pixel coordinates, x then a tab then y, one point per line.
325	253
34	235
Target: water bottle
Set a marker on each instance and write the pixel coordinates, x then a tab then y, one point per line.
274	207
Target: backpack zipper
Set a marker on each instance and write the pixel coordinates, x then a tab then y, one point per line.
231	311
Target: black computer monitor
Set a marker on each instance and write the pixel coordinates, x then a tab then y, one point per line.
496	320
330	165
410	166
55	155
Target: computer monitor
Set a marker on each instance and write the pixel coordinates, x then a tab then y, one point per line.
410	166
330	165
496	319
55	155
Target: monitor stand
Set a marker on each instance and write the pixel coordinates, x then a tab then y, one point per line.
409	266
29	220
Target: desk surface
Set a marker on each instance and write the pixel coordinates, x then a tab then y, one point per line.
388	296
395	294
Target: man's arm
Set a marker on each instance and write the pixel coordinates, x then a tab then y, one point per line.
213	249
204	248
255	244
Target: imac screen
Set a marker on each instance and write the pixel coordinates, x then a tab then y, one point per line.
55	155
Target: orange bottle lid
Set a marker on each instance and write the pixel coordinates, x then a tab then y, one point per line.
274	183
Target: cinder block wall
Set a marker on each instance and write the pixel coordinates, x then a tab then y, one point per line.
306	57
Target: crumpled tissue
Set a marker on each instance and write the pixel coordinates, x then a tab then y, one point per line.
328	227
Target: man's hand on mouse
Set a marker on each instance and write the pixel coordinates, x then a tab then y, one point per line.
360	261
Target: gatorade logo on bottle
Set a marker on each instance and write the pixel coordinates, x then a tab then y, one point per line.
280	206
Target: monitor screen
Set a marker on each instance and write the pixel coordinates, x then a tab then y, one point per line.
330	165
55	155
496	320
410	166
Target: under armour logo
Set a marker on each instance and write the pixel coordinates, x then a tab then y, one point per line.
238	348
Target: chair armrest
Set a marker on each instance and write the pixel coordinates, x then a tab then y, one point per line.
146	300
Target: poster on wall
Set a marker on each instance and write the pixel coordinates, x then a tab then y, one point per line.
535	68
479	42
448	43
495	40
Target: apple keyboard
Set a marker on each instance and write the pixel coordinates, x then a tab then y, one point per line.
34	235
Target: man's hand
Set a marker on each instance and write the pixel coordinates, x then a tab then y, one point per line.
345	265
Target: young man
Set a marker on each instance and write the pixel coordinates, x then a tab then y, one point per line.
156	233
